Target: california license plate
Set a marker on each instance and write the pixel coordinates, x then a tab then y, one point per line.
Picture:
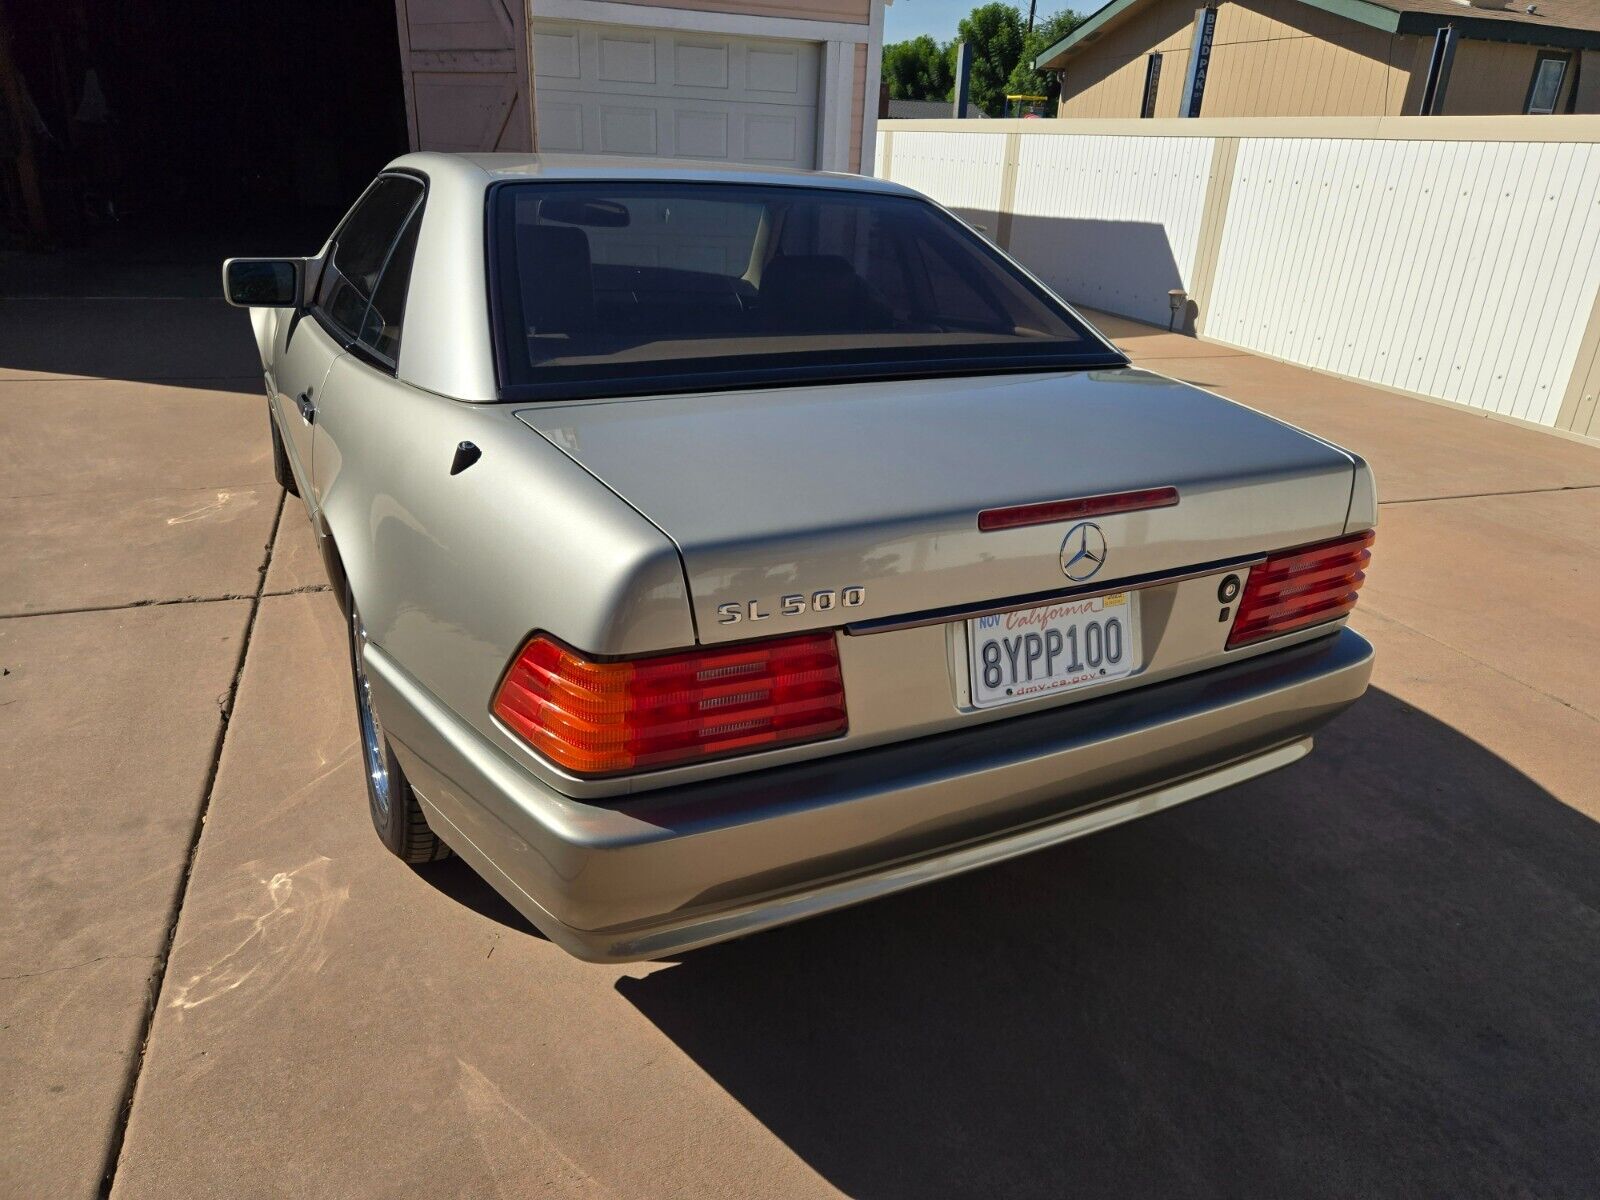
1054	648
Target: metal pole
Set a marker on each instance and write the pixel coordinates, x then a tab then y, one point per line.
963	79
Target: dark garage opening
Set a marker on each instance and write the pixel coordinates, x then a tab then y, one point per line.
165	135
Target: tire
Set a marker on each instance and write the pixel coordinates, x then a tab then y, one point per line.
281	469
396	815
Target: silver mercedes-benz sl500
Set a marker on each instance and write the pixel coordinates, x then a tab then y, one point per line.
722	547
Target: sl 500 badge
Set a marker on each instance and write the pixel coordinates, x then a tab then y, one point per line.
793	605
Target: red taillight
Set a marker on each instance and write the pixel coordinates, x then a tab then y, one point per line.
598	718
1299	588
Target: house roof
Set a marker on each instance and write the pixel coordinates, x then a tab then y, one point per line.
928	110
1566	24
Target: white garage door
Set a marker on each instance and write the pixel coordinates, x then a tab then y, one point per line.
606	89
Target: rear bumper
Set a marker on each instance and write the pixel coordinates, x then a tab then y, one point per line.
666	871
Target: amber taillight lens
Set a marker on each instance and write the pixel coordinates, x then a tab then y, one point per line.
1296	589
601	718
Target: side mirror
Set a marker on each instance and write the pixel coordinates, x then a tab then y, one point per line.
263	282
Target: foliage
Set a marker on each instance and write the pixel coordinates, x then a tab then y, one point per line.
1047	31
1002	58
917	70
993	34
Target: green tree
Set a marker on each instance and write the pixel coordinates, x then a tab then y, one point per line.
993	34
1024	80
917	70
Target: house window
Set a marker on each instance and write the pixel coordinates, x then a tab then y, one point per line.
1152	83
1549	73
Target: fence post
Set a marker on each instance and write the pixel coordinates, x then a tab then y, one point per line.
1008	191
1213	216
1578	402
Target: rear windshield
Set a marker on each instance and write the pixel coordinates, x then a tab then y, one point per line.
608	289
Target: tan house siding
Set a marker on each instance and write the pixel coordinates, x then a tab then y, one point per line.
1107	78
858	12
1284	58
1289	59
1493	77
1277	57
1418	51
1589	83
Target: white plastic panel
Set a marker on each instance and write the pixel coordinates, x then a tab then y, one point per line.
960	170
1109	222
1461	270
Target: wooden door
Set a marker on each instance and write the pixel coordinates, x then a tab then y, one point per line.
466	74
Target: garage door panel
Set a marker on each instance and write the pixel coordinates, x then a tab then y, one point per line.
560	125
700	134
692	96
697	65
586	123
627	59
774	139
613	90
775	71
556	56
627	130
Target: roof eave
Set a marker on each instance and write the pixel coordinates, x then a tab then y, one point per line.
1092	24
1375	15
1387	20
1487	29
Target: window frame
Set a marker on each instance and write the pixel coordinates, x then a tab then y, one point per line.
1099	354
351	341
1556	56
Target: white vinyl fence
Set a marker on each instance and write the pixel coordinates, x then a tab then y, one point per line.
1456	258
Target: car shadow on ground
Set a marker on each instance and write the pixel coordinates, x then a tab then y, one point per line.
1373	974
453	878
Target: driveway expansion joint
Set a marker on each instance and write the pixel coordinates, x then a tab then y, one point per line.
1376	610
88	962
158	975
161	603
1566	487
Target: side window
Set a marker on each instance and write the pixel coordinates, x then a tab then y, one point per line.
360	248
1549	73
380	329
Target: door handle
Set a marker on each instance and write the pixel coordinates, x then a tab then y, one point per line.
308	410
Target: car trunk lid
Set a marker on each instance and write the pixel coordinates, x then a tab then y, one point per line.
862	500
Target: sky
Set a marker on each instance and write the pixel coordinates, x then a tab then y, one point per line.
906	19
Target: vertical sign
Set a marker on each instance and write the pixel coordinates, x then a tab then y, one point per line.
1152	85
1205	27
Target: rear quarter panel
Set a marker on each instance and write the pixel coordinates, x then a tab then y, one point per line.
453	572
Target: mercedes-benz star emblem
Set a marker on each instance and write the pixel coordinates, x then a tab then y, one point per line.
1083	552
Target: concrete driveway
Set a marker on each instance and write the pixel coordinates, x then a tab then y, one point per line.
1372	974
